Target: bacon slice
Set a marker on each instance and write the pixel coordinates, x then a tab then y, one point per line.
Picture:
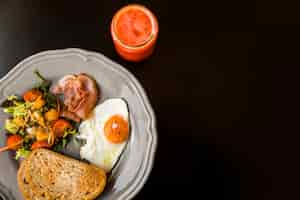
90	85
70	115
80	95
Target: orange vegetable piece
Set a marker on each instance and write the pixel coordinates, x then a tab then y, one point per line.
38	103
31	95
40	144
60	126
51	115
41	135
116	129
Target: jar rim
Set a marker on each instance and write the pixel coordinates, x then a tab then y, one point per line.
153	20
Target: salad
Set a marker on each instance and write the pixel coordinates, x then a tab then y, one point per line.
35	121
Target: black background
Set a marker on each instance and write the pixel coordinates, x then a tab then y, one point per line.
222	82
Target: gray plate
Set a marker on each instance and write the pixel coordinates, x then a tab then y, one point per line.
135	165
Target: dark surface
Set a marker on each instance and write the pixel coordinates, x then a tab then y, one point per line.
221	81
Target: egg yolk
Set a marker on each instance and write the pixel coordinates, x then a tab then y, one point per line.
116	129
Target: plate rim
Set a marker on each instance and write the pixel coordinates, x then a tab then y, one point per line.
147	167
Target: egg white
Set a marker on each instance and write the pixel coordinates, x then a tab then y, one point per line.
98	150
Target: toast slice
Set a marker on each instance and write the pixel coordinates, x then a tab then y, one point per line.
46	175
24	187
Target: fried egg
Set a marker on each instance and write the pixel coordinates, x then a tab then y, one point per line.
106	133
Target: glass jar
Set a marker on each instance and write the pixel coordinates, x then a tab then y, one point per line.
134	30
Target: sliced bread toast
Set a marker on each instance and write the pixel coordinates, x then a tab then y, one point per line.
46	175
24	187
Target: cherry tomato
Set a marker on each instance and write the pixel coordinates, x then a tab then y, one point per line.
14	142
31	95
60	126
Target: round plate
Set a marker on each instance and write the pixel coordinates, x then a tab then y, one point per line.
136	162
